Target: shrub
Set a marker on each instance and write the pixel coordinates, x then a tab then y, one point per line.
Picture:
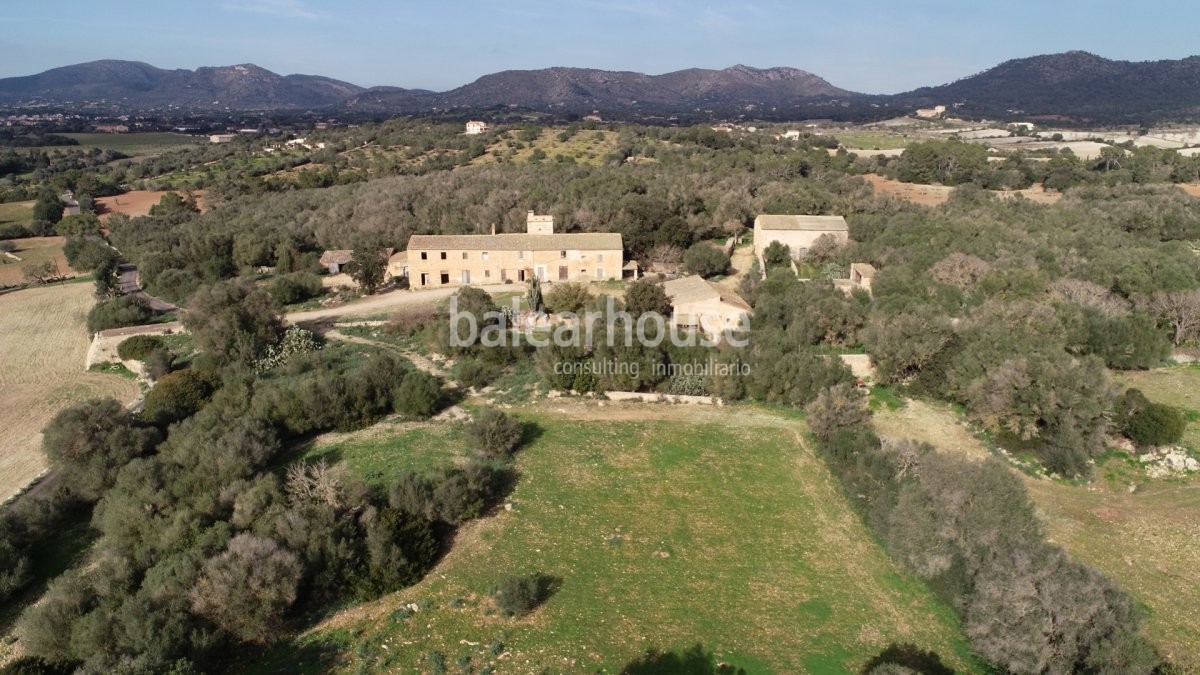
475	373
517	596
246	589
837	408
1147	423
417	394
289	289
777	254
643	296
495	433
127	310
138	347
568	297
177	396
705	260
91	441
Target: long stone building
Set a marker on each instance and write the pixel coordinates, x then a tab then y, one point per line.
457	259
797	232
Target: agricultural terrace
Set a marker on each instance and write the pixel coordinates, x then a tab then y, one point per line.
662	523
138	144
552	145
43	342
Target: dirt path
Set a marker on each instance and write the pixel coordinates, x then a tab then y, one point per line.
741	261
387	302
416	359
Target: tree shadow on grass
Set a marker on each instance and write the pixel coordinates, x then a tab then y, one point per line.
691	661
910	656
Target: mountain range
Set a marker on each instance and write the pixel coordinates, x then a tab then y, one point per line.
1073	84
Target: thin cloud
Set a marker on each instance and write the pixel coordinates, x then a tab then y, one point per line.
291	9
641	8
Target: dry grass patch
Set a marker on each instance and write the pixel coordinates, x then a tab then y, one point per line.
43	344
32	251
138	202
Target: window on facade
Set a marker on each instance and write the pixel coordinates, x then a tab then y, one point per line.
484	255
464	255
443	255
599	257
424	255
562	254
520	255
487	274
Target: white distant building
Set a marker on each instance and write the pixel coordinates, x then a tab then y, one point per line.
791	135
475	127
931	113
222	138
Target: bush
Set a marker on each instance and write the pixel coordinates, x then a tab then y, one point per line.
246	589
495	433
568	297
91	441
705	260
177	396
1147	423
138	347
777	254
517	596
295	287
475	373
838	408
127	310
417	394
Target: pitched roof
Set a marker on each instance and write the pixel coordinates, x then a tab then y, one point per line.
695	289
340	257
588	241
866	270
809	223
399	258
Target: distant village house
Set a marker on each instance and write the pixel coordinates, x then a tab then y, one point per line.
475	127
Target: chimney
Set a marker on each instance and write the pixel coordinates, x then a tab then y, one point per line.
493	229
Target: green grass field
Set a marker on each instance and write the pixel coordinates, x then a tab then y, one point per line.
713	527
137	144
16	212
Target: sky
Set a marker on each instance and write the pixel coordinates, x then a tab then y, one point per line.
870	47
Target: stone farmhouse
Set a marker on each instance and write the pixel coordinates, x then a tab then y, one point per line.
435	260
475	127
698	304
333	261
796	232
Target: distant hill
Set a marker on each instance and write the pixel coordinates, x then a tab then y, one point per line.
1076	85
140	85
1073	84
584	89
